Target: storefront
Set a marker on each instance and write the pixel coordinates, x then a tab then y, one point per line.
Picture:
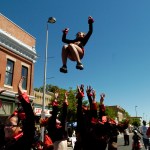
38	110
7	105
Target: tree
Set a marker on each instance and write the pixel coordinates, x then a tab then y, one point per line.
126	115
135	122
110	113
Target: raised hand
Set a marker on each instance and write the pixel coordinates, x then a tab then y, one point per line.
80	91
66	97
55	102
20	90
89	91
102	96
56	94
94	94
78	88
90	20
66	30
66	94
82	88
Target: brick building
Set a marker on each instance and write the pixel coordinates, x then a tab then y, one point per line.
38	103
17	58
119	112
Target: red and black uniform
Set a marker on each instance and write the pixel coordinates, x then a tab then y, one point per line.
82	41
24	140
2	135
57	132
95	132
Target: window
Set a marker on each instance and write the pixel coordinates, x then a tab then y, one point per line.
6	109
9	72
25	75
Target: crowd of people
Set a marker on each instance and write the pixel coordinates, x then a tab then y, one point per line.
94	129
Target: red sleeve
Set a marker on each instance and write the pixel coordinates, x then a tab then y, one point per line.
25	97
94	106
47	140
148	132
102	107
80	95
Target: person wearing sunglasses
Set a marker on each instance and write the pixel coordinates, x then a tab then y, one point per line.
19	128
74	49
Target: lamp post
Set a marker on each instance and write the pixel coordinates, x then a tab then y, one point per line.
50	20
136	110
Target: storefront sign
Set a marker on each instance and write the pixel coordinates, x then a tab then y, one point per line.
38	111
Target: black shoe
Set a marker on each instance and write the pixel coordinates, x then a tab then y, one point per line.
79	66
63	69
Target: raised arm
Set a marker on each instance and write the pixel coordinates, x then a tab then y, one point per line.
64	112
52	123
91	94
102	106
64	39
28	122
79	96
87	36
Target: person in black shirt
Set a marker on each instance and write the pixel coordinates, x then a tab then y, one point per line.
75	48
20	126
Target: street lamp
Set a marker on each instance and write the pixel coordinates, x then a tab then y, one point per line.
136	110
50	20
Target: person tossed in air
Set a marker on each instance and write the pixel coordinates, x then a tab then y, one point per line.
74	50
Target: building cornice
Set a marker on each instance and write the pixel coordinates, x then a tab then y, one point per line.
14	95
16	25
18	47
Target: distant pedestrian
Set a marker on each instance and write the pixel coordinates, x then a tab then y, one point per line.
143	131
136	145
126	137
148	135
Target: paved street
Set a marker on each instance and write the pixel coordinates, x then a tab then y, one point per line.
121	144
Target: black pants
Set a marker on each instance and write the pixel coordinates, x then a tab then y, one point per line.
126	140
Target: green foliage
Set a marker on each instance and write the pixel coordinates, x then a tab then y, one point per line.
110	113
126	114
49	88
135	122
71	100
71	117
36	89
72	108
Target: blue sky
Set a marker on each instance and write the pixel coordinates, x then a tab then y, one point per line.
117	56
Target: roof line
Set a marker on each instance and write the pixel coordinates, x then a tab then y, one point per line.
17	26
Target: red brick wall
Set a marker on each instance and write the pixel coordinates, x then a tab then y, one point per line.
16	32
17	70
